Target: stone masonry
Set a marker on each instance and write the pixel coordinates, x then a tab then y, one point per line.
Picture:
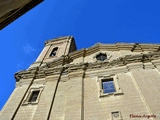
69	83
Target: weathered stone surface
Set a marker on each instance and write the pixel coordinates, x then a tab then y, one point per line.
72	86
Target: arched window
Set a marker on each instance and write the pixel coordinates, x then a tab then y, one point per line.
54	51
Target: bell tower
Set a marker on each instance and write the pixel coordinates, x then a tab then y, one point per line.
54	49
33	95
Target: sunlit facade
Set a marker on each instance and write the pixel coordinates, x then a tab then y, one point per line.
103	82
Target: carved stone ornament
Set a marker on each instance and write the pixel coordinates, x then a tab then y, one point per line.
131	61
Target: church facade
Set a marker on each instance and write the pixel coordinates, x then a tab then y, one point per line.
104	82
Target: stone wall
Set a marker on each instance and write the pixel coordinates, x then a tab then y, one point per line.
70	87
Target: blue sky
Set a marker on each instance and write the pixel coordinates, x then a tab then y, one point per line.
89	21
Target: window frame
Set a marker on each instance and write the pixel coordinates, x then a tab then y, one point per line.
108	56
118	90
107	80
116	118
31	98
29	95
100	58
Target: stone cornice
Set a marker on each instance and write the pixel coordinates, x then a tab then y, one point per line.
26	74
115	47
131	61
59	40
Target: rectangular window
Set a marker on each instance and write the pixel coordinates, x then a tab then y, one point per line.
34	96
108	86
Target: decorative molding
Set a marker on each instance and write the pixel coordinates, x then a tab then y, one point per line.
31	90
118	90
121	64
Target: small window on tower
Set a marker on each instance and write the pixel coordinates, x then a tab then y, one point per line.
54	52
34	96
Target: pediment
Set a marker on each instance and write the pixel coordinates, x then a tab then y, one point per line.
113	51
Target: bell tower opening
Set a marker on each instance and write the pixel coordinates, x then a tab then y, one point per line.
54	52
